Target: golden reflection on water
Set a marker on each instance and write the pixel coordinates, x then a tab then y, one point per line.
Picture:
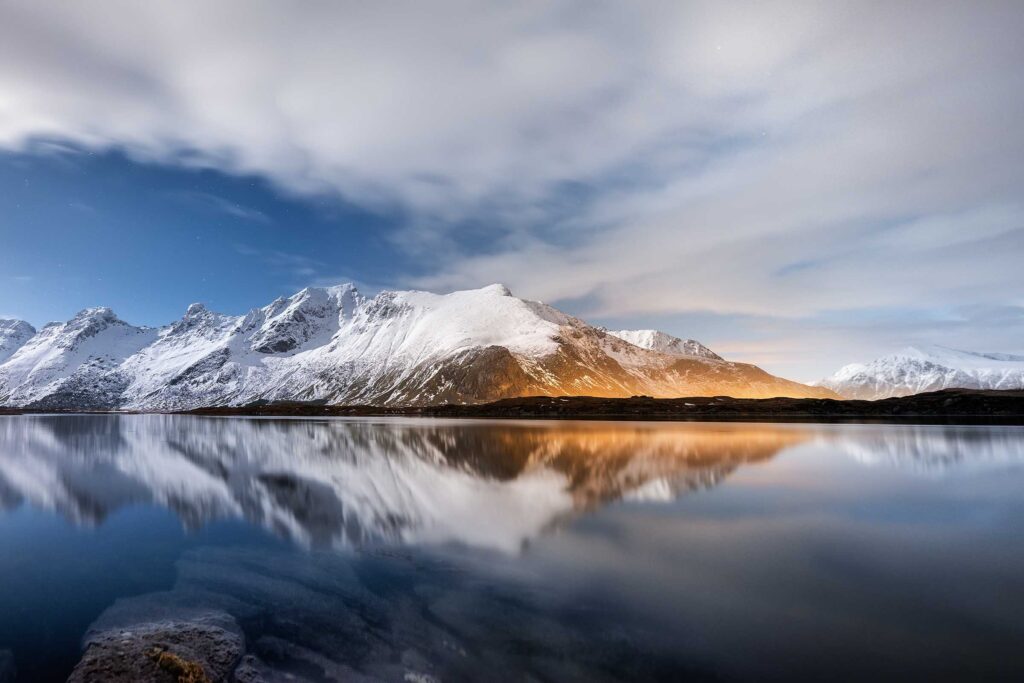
605	461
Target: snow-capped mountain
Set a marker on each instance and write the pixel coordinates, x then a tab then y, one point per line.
653	340
334	345
930	368
79	360
13	335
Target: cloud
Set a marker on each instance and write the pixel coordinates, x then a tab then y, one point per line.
778	161
83	207
215	203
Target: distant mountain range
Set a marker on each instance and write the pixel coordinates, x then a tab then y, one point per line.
337	346
929	368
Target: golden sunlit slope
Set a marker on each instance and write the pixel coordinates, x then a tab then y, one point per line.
590	362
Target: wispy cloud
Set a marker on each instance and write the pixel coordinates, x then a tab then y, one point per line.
214	203
83	207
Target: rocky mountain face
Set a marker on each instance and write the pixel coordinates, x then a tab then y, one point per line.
915	370
337	346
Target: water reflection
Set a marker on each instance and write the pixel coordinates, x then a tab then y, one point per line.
800	557
337	483
930	448
333	483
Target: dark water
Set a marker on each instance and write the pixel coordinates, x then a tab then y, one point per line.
499	551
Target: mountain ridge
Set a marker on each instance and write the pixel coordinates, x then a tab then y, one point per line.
656	340
337	346
918	369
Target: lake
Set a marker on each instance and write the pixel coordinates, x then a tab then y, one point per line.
430	550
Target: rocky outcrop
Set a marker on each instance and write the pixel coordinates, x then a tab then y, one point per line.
203	649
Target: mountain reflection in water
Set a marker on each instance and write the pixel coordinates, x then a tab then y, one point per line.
430	550
335	483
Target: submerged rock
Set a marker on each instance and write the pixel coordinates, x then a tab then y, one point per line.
200	650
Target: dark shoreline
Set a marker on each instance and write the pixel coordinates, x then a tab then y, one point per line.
951	406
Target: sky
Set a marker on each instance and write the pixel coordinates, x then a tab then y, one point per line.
799	185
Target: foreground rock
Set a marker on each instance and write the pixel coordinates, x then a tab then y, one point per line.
199	650
392	617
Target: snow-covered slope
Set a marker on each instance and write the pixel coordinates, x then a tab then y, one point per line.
73	364
653	340
333	344
931	368
13	335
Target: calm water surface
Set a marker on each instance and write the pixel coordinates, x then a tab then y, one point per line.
512	551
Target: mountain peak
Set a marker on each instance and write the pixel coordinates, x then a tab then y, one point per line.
199	317
662	342
96	313
13	324
91	321
309	317
497	289
13	335
342	290
195	309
